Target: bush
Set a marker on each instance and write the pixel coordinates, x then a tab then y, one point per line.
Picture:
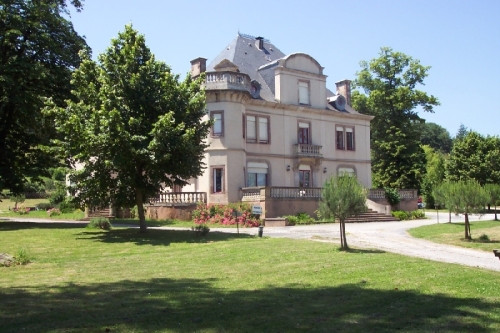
44	206
224	214
417	215
17	199
484	238
54	212
58	173
67	206
99	223
21	210
201	229
299	218
392	196
402	215
58	195
413	215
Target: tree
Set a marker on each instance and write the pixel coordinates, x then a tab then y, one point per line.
389	93
461	133
135	127
493	191
342	197
436	137
38	50
435	174
475	157
466	197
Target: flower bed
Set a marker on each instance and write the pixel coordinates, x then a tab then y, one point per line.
224	215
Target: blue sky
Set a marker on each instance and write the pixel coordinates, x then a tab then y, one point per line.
459	39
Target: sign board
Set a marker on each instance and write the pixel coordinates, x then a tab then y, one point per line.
256	210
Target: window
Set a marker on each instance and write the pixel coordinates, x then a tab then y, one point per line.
304	92
305	176
345	138
349	138
346	171
304	133
218	126
217	180
257	129
257	174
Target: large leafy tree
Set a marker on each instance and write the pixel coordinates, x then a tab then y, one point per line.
435	173
475	157
135	127
436	137
389	92
342	197
38	50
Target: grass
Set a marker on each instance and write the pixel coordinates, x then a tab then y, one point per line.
40	214
453	234
6	203
82	280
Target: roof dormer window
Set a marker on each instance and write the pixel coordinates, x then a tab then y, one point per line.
304	93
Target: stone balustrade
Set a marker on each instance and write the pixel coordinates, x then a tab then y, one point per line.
179	198
302	149
227	80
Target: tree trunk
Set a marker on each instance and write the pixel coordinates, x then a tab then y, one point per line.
449	217
345	239
140	211
341	235
496	219
467	228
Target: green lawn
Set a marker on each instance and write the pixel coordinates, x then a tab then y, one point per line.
6	203
453	234
84	280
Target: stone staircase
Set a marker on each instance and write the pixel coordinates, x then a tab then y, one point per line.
371	216
99	213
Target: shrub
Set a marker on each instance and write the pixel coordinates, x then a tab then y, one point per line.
58	173
58	195
300	218
413	215
392	196
224	214
402	215
417	215
23	256
16	199
201	229
21	210
67	206
53	212
44	206
484	238
99	223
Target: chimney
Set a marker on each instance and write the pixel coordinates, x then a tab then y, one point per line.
344	89
198	66
260	42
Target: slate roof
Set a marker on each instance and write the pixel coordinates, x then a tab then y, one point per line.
243	51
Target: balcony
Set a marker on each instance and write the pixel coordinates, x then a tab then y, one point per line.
227	80
307	150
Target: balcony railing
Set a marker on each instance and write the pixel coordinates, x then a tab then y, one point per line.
403	194
307	150
179	198
227	80
261	193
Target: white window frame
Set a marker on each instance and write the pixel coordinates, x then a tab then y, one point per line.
304	93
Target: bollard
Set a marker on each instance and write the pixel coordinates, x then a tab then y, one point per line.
261	230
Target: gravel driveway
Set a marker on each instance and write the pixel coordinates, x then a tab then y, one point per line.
386	236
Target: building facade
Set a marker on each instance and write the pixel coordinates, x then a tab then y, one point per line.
276	125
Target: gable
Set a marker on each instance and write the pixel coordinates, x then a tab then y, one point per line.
302	62
226	65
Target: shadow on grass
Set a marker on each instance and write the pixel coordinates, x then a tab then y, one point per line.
156	236
9	225
194	305
361	251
